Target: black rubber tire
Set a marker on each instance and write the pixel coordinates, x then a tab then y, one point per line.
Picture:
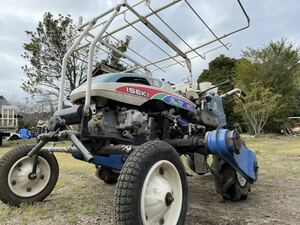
1	140
107	175
133	174
226	181
9	159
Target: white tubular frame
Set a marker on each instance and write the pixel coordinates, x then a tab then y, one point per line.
87	26
182	58
90	62
65	61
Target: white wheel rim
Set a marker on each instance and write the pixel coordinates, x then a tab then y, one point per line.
18	177
242	181
162	179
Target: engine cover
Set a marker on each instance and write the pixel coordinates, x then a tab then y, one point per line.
133	89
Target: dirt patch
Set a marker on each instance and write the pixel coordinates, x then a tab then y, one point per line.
272	201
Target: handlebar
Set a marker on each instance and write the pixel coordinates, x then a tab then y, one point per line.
215	86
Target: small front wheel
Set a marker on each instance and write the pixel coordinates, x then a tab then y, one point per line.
17	185
152	187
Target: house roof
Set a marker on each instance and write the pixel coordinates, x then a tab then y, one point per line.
3	101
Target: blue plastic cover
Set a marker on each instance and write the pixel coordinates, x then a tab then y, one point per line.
24	133
245	163
111	161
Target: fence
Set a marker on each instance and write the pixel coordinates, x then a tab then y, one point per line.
8	118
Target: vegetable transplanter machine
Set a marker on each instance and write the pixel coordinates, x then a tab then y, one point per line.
135	126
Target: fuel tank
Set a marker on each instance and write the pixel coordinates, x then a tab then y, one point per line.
133	89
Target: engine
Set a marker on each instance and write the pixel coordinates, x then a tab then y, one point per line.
120	123
133	121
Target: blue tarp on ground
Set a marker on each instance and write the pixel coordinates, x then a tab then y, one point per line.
24	133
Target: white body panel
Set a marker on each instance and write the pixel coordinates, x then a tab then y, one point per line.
131	93
108	91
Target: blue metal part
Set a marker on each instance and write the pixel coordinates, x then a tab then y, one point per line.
221	142
111	161
179	102
182	123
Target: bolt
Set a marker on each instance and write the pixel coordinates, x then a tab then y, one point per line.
161	171
14	182
42	177
28	189
161	221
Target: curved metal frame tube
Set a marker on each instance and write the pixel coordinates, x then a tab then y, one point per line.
145	16
65	61
214	40
89	25
107	45
91	54
115	12
157	46
174	32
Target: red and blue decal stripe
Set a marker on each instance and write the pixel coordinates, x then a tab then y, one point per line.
166	97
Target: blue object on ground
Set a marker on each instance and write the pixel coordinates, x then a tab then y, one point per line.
24	133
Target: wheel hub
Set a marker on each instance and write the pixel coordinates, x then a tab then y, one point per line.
32	176
23	183
161	196
169	199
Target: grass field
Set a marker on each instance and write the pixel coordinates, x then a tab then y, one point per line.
81	198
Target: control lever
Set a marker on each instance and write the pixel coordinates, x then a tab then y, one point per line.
241	94
215	86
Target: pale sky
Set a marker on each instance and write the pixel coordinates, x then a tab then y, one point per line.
270	20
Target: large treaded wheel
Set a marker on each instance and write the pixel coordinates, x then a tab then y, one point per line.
229	184
152	187
16	186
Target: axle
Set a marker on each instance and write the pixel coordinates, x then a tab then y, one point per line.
224	143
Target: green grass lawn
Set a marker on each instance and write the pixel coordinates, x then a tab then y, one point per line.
277	155
81	198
